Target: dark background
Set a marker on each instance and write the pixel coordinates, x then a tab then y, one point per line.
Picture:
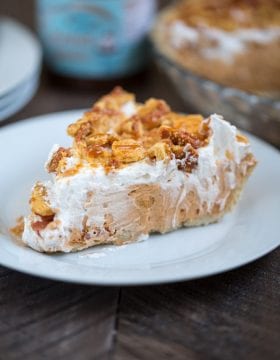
230	316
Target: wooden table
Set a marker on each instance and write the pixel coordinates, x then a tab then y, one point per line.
230	316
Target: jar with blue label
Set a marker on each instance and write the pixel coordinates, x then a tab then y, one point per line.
95	39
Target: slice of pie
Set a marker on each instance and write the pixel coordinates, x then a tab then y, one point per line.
135	169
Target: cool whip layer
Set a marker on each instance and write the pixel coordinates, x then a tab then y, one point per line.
219	44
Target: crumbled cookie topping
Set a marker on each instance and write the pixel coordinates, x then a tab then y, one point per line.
58	159
17	230
38	201
229	15
109	136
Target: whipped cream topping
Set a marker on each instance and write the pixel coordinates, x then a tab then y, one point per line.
129	108
220	44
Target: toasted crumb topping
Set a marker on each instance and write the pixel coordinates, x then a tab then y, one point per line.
111	137
38	201
241	138
229	15
58	159
17	230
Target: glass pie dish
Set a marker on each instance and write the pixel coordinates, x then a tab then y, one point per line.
256	113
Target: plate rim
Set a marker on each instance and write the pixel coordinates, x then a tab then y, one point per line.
130	282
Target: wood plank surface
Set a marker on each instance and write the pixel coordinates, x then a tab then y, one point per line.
41	319
226	317
230	316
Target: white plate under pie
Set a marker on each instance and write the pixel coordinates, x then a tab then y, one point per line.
249	232
21	55
17	99
20	64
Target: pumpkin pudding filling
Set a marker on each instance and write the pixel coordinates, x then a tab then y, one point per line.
135	169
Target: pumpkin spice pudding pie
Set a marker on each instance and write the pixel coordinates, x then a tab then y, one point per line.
233	42
135	169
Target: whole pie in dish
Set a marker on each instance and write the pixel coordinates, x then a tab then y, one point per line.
233	42
135	169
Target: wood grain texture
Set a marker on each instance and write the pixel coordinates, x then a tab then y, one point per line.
46	319
230	316
226	317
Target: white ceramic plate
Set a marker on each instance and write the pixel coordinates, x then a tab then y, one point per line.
16	100
248	233
21	55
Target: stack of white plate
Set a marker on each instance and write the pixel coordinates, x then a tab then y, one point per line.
20	65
